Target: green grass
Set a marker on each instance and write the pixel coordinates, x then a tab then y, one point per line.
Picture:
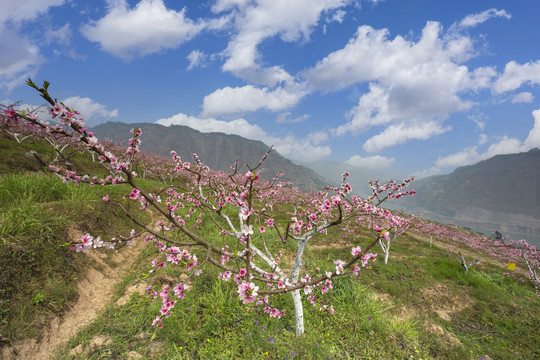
38	271
421	305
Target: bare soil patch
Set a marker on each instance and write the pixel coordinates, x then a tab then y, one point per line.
96	291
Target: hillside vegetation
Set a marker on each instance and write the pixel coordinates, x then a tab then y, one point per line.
421	305
501	193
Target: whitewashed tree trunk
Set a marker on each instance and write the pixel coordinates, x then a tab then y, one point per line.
296	296
298	312
386	249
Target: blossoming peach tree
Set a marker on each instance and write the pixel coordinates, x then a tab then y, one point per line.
239	207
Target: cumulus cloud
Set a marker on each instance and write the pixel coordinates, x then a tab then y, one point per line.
299	149
515	75
20	57
504	145
523	97
285	118
91	111
230	101
238	126
376	162
61	35
470	155
196	59
482	139
533	139
396	134
427	172
479	120
25	9
473	20
292	147
255	21
413	85
146	29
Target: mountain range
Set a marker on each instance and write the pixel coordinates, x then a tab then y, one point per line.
217	150
501	193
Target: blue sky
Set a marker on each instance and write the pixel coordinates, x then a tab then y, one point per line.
413	87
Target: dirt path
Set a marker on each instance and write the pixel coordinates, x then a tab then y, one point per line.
95	293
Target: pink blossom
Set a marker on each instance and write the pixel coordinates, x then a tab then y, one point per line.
339	266
56	110
134	194
367	257
244	213
86	240
225	276
356	251
247	292
10	112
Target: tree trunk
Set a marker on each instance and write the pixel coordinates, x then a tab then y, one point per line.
298	312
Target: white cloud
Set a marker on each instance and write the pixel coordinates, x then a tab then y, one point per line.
504	145
292	147
396	134
21	10
413	85
255	21
337	16
523	97
90	110
238	127
470	155
285	118
318	137
376	162
298	148
516	75
427	172
479	120
475	19
61	35
19	56
196	59
482	139
533	139
466	156
146	29
230	101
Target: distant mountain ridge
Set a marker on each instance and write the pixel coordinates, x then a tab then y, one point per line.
501	193
217	150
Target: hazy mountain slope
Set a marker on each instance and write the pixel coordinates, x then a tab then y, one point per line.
501	193
358	177
217	150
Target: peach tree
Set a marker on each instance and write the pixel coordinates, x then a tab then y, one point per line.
249	217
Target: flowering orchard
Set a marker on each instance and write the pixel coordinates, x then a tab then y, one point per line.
516	251
249	217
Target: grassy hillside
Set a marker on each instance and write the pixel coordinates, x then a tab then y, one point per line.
39	216
421	305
